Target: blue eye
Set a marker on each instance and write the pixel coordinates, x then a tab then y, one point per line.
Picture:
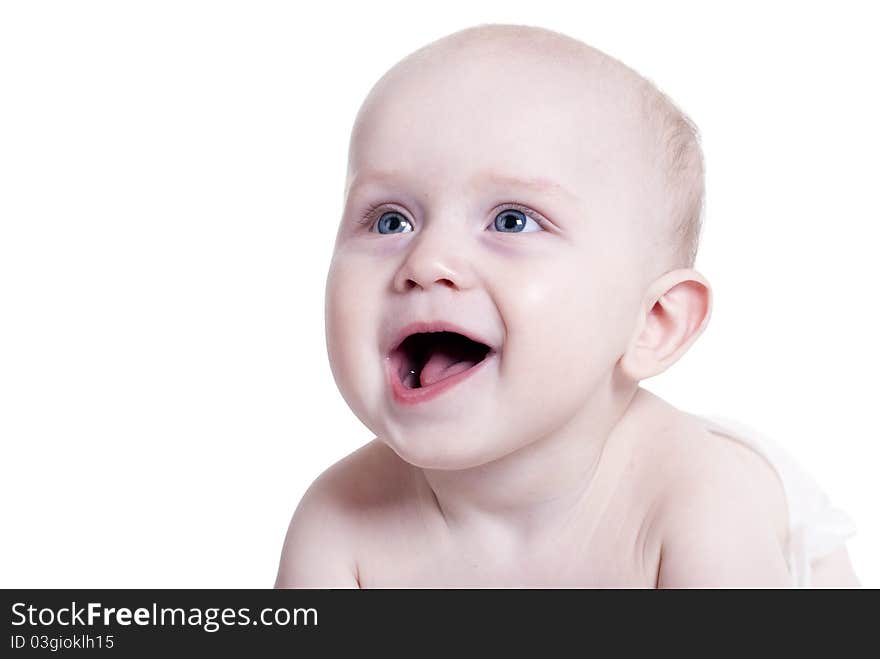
514	221
509	220
392	222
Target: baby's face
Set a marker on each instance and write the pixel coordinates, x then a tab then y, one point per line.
507	201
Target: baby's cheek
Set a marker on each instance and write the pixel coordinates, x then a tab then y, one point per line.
342	313
564	325
354	299
556	298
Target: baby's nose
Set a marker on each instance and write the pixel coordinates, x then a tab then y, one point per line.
433	261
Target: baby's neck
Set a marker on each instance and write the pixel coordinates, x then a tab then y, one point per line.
537	489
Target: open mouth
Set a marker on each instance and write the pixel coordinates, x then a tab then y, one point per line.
426	358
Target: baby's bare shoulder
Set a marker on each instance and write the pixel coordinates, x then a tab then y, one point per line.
342	504
719	510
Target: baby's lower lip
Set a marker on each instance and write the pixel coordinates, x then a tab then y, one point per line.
406	396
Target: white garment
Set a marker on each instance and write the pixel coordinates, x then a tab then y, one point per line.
815	527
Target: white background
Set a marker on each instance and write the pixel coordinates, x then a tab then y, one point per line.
170	182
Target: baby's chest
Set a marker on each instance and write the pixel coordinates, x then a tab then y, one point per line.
617	555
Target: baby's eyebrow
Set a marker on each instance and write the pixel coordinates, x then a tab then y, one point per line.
537	184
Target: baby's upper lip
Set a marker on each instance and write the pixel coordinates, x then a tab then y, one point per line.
418	326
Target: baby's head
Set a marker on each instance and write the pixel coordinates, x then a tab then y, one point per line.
521	189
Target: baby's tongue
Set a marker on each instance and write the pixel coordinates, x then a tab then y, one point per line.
444	362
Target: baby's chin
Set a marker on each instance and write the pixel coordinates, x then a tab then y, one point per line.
450	451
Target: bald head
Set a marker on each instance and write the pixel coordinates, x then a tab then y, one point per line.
666	138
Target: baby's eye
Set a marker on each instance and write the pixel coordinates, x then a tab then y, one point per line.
511	220
393	222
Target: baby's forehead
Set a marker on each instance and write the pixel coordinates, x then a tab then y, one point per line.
528	93
539	122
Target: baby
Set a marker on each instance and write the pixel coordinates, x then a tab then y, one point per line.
501	372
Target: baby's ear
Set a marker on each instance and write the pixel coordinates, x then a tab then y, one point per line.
675	311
